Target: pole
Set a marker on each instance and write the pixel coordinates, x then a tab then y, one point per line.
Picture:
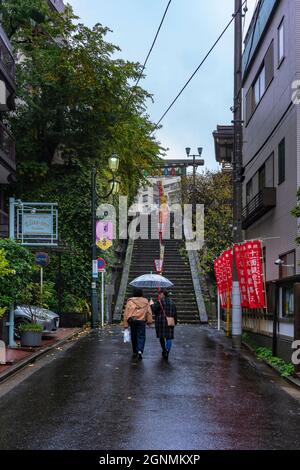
12	218
102	299
194	188
237	173
219	311
11	324
11	321
275	321
94	294
42	280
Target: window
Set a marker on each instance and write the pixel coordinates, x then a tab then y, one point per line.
249	191
281	162
281	42
262	178
261	83
287	300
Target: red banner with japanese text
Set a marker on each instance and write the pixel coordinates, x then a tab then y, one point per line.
220	277
227	261
242	270
248	258
223	273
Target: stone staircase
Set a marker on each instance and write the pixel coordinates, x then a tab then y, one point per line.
176	268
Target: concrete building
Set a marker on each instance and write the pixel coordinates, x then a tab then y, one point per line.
57	5
7	143
147	199
224	143
271	158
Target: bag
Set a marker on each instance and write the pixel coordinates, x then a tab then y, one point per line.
170	320
127	336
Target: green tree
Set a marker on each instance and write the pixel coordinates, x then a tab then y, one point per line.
18	271
76	105
296	212
214	190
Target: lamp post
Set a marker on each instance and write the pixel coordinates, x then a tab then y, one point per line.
114	185
188	154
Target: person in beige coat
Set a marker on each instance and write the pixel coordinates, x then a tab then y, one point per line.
137	314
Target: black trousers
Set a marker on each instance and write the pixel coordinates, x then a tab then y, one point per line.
138	335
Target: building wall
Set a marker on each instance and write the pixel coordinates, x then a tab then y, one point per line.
276	117
262	126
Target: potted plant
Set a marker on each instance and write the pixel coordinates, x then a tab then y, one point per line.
31	334
33	300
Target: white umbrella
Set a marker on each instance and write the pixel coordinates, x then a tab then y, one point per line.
151	280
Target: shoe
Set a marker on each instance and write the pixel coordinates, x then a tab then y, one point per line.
165	354
140	355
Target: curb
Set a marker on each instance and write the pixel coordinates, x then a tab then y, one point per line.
29	360
291	380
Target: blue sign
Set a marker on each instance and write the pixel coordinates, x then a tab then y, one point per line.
101	265
42	259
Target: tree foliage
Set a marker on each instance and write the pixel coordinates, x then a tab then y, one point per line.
75	106
18	271
214	190
296	212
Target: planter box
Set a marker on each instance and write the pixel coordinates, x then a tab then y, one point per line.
72	320
31	338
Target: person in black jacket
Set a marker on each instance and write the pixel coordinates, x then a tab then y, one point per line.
165	307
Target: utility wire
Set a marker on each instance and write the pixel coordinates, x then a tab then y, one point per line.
145	62
153	44
200	65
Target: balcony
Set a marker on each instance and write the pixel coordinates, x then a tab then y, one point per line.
57	5
7	63
262	203
7	148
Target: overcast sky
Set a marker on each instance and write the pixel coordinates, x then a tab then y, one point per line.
189	30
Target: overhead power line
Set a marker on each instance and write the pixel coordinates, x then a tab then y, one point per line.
125	109
153	44
199	66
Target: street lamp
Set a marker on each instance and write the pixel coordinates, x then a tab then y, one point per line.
114	186
188	154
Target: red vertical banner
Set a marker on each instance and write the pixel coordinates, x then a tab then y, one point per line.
227	261
242	270
223	273
255	274
220	278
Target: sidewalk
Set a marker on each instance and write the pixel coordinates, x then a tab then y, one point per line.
19	357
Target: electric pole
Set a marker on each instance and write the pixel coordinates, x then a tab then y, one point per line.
237	173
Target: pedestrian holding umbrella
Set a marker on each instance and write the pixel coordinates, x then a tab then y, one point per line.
151	281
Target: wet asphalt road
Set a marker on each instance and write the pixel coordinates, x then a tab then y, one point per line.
94	396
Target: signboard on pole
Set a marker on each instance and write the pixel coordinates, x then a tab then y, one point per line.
158	265
37	224
101	265
104	234
42	259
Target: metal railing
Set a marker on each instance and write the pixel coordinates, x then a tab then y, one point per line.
264	201
7	143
